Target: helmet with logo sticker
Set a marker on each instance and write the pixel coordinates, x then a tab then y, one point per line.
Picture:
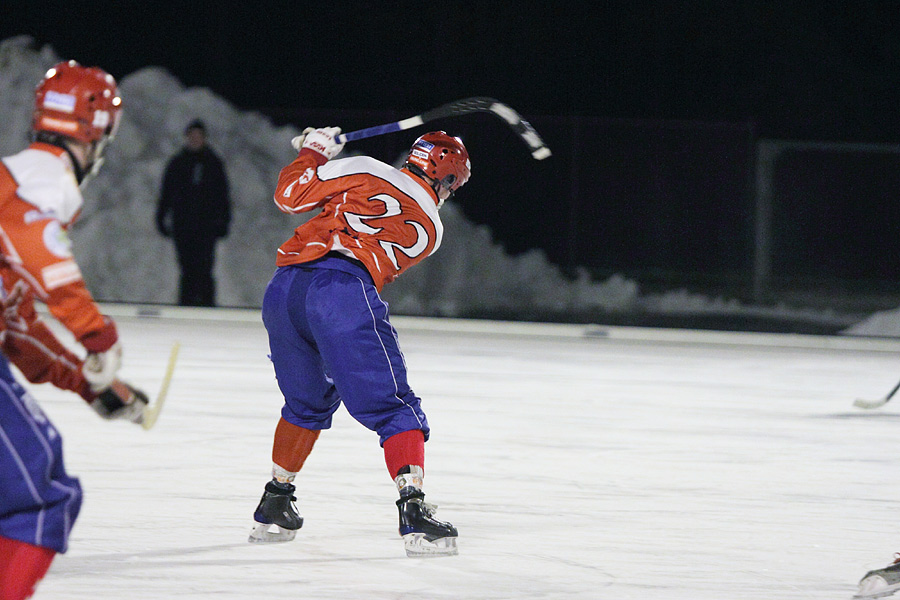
443	159
81	103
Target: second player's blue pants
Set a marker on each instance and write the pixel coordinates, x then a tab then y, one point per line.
38	500
331	341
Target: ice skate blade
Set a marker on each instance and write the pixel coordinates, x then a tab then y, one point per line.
262	535
875	586
418	547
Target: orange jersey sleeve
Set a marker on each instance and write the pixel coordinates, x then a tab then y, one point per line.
385	218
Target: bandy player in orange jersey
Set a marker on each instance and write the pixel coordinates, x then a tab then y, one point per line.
75	115
330	336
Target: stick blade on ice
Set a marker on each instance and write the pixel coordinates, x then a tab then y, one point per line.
863	403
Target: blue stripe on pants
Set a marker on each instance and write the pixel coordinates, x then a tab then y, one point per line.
331	341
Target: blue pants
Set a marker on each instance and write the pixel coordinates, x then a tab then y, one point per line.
39	502
331	342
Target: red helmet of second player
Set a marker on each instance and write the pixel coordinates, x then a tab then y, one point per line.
78	102
443	158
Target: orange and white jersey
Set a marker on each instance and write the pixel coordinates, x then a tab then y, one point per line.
383	217
39	198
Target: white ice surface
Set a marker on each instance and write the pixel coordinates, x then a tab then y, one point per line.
576	461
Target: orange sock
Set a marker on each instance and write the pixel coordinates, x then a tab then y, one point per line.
403	449
22	566
292	445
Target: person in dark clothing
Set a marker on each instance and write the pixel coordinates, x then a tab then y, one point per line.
195	210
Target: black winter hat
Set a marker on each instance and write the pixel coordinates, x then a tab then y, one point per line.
196	124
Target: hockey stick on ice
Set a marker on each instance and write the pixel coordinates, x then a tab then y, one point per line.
454	109
862	403
151	413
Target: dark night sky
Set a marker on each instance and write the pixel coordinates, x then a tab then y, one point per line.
822	70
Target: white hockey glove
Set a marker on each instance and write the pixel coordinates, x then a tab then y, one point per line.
121	401
100	367
322	141
297	142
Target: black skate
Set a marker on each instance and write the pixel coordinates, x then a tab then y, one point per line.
880	582
423	535
276	508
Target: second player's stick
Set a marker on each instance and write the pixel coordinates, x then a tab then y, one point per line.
862	403
460	107
151	413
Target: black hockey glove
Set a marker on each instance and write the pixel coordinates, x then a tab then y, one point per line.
121	401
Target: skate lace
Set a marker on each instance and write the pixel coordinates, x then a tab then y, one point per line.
427	507
287	495
430	509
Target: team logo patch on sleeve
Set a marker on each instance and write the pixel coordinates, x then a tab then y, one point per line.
57	240
60	274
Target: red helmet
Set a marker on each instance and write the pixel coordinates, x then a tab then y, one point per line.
77	102
442	158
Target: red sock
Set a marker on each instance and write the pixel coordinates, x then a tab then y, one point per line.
22	566
292	445
402	449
